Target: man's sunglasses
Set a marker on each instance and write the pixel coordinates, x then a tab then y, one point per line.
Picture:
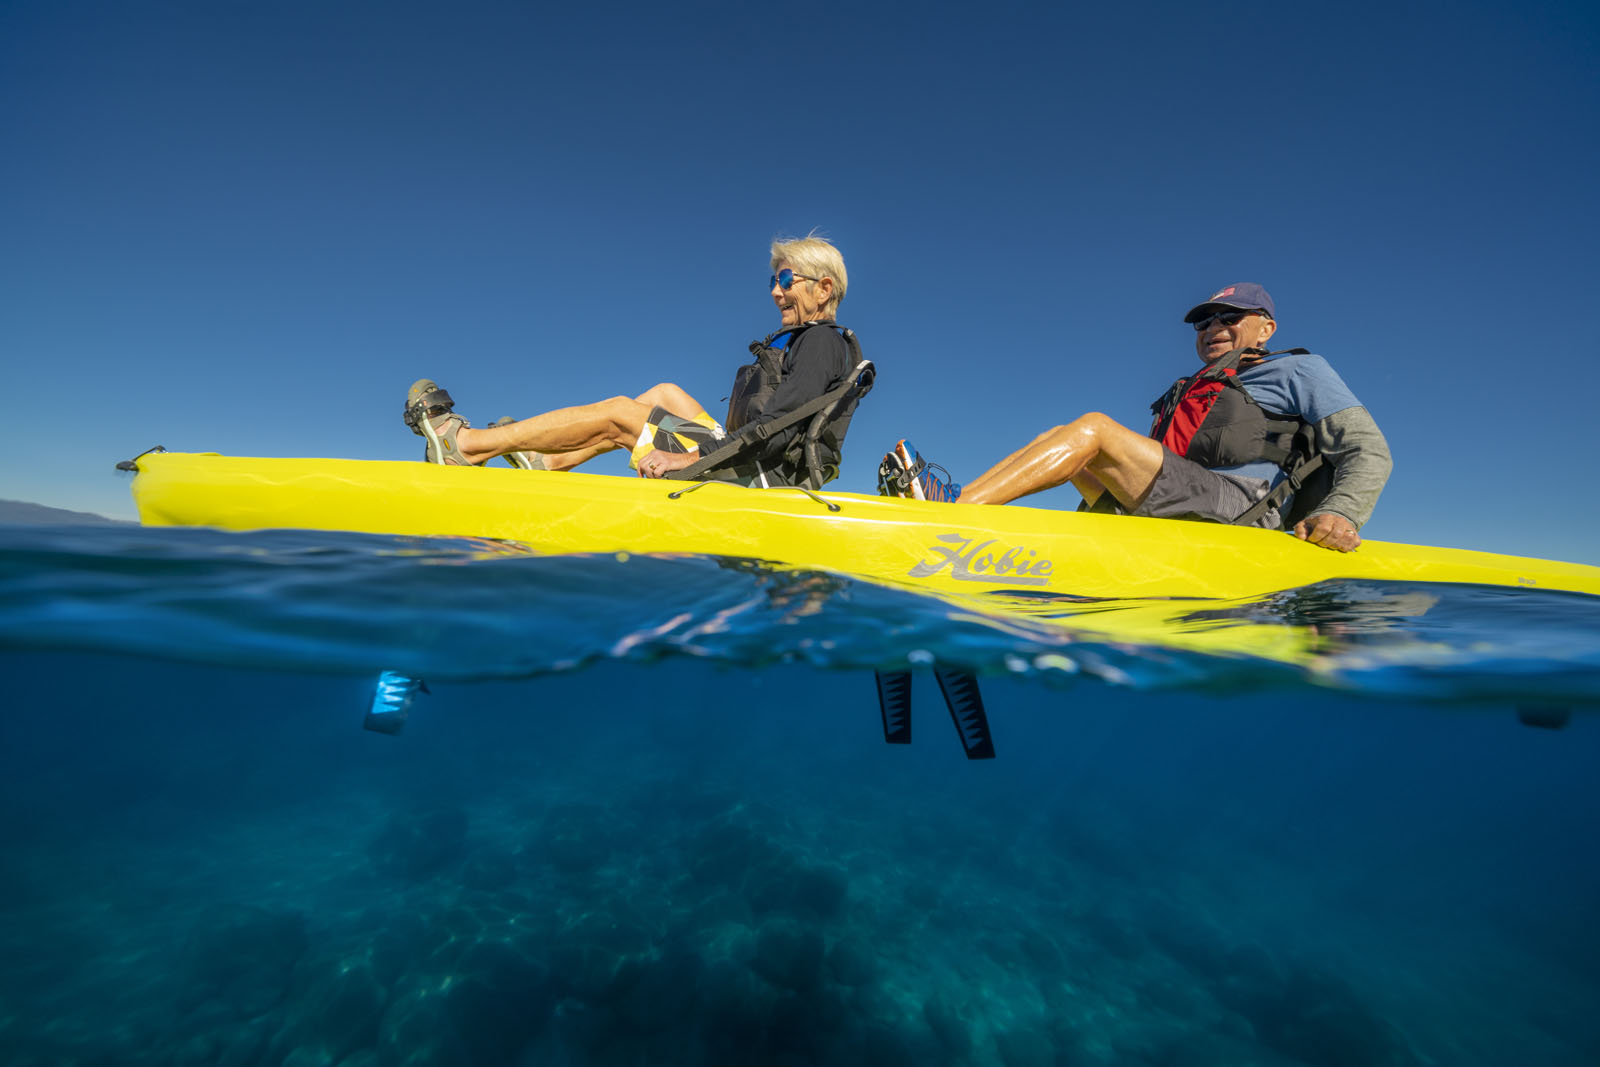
1227	318
784	279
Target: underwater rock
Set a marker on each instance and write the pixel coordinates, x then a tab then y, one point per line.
401	939
575	839
711	909
662	992
1318	1019
245	957
1247	977
1190	1047
795	1026
852	962
790	957
498	1001
947	1025
198	1050
574	854
489	870
880	1045
417	845
820	891
1172	992
462	924
309	1057
802	890
1187	938
336	1006
1043	955
593	959
725	852
415	1030
1025	1047
733	1005
923	895
1305	1014
244	1045
1120	938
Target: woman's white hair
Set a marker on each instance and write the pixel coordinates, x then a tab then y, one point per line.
813	256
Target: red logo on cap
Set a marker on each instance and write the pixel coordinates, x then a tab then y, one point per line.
1226	292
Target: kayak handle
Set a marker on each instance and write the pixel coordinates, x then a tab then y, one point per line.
133	464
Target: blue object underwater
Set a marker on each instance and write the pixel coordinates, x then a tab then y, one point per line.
647	815
392	697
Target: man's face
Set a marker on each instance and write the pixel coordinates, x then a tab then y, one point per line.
1229	328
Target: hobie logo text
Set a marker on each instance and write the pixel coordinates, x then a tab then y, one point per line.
980	561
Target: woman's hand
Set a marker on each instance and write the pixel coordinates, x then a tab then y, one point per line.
658	463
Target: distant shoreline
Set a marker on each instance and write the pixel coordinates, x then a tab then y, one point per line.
23	513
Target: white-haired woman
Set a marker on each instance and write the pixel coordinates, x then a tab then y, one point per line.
664	426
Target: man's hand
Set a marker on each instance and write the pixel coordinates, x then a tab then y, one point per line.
658	463
1329	531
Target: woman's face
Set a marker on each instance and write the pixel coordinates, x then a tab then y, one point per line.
802	301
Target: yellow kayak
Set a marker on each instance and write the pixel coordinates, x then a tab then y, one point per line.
946	549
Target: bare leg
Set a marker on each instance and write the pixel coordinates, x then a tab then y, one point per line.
674	399
665	395
616	422
1096	453
569	436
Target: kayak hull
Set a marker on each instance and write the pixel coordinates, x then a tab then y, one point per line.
940	548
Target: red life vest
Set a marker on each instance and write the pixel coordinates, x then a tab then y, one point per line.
1211	419
1190	412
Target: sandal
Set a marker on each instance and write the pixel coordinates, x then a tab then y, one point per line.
904	473
429	414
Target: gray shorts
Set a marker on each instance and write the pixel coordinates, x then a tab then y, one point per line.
1185	490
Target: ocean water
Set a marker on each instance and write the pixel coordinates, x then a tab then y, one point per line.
645	815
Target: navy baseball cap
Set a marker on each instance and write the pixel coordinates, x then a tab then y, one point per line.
1246	296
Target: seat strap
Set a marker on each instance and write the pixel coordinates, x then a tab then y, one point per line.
859	384
1280	492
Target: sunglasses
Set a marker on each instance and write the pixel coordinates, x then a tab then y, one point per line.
784	279
1227	318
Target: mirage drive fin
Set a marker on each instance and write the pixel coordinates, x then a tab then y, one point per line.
961	695
894	704
960	689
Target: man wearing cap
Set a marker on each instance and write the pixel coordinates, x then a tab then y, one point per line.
1238	442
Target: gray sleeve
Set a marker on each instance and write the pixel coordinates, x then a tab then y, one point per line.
1359	455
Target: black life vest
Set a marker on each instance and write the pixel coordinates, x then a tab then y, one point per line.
817	449
1211	419
754	383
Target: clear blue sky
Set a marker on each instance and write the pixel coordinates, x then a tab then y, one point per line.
247	227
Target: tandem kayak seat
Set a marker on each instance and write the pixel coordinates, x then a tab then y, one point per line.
810	461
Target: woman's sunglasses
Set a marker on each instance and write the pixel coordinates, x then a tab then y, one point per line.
1227	318
784	279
